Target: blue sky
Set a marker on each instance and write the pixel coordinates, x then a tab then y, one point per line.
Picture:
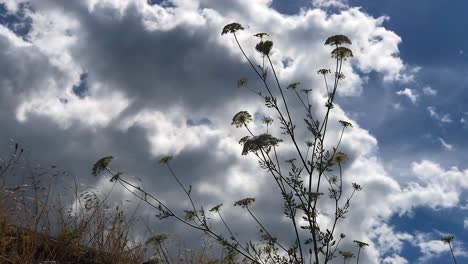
434	38
131	71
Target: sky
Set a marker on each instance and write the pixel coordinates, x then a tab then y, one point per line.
139	79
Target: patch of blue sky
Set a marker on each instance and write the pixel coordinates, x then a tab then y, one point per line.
18	22
81	89
433	223
163	3
434	38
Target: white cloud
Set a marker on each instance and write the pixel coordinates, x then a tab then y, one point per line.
409	93
445	118
429	91
330	3
395	259
465	223
445	145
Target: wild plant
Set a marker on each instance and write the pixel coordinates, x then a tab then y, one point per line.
301	179
39	223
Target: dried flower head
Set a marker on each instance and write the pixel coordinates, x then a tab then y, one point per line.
339	158
232	28
165	159
216	209
101	165
447	239
243	140
241	82
309	143
157	239
324	71
264	47
337	40
345	123
293	86
259	142
245	202
190	215
357	187
360	244
267	120
306	91
242	118
314	195
340	75
346	254
342	53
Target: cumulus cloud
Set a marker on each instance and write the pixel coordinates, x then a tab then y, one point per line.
409	93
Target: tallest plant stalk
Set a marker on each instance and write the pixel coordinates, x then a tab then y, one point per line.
322	242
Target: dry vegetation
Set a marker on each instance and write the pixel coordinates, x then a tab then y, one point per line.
39	224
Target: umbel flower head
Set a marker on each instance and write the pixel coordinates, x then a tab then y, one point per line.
339	157
264	47
342	53
165	159
293	86
324	71
360	244
263	141
346	254
337	40
216	209
447	239
242	118
244	202
232	28
345	123
101	165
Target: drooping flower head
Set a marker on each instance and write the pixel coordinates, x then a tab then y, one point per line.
101	165
232	28
257	143
242	118
339	158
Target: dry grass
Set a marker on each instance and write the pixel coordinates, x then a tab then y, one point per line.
38	224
